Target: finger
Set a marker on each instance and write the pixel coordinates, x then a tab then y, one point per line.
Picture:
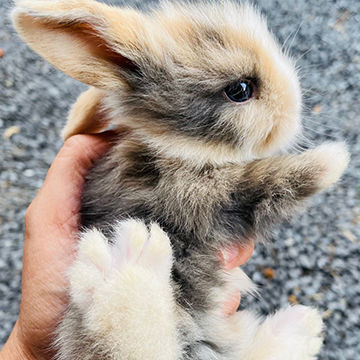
232	304
77	156
62	188
236	256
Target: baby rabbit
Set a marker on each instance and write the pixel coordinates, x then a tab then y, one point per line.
206	100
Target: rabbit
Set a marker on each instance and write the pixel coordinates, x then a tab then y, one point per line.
208	106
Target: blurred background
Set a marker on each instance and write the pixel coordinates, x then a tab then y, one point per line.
314	260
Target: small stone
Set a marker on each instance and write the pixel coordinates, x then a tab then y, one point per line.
257	278
29	173
1	53
356	220
334	273
5	184
317	296
331	248
269	273
317	109
9	132
293	299
349	235
322	262
326	314
293	253
340	22
9	82
297	290
306	262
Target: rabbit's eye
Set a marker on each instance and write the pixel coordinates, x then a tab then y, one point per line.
239	92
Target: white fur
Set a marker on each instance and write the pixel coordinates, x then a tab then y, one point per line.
335	157
125	293
124	290
290	334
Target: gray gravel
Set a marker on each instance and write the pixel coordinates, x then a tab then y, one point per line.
315	258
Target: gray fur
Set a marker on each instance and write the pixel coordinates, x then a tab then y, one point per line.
201	209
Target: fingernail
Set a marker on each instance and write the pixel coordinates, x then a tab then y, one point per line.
230	254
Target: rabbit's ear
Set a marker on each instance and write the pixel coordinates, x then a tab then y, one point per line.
85	39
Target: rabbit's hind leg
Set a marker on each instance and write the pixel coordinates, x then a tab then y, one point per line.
296	331
292	333
121	298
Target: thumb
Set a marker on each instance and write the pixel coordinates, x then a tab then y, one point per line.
58	202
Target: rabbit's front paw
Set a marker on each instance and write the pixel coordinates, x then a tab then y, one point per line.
334	158
295	333
123	290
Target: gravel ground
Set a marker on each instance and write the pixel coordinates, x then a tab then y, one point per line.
314	260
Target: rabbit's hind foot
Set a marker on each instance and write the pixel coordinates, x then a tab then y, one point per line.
123	291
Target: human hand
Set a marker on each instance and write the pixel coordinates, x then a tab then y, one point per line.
232	258
51	225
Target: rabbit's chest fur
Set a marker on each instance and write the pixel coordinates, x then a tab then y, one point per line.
183	197
189	202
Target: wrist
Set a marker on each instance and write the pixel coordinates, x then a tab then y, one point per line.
14	349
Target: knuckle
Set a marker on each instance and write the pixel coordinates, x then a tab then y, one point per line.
74	142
